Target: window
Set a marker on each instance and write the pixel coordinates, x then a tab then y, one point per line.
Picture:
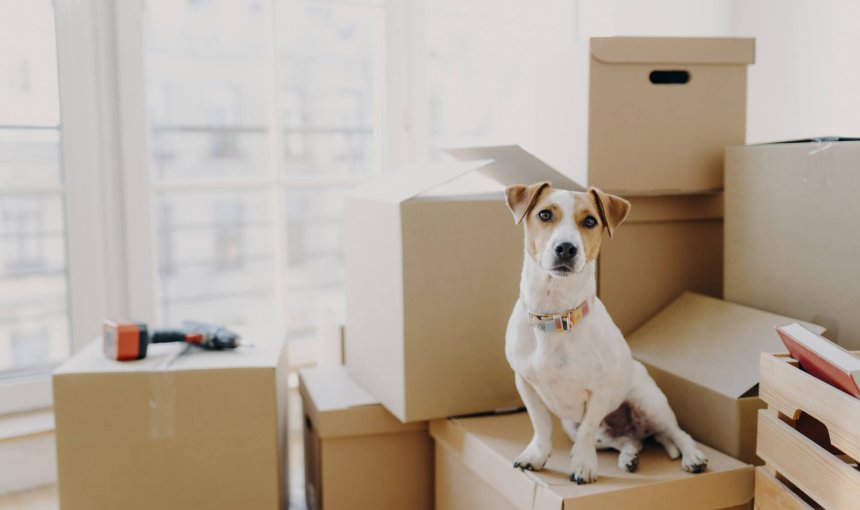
34	312
261	114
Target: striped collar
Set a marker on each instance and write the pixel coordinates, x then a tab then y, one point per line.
559	322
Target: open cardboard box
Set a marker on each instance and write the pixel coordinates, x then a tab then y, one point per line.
357	454
433	262
474	458
704	354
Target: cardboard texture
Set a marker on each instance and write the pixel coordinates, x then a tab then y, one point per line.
668	245
704	354
475	455
177	430
653	138
357	454
433	261
792	219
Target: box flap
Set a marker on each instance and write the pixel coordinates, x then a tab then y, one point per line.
710	341
511	164
412	180
339	407
674	50
174	357
488	446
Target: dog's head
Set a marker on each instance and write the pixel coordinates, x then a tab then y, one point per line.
564	229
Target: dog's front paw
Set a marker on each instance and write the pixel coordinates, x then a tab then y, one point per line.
628	461
695	462
533	458
583	469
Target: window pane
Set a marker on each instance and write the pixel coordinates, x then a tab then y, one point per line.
326	62
34	323
28	64
207	86
314	254
34	329
29	156
215	260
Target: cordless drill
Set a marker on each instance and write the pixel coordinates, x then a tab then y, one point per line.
128	340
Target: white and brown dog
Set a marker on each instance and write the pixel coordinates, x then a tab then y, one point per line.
569	356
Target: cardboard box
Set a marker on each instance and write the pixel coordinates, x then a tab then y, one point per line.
653	138
433	262
357	454
203	429
473	470
668	245
704	354
792	219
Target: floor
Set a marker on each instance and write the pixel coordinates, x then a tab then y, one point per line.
45	498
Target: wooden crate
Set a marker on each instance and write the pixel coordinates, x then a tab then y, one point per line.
772	494
809	436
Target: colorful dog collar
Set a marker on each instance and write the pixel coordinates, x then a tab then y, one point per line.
559	322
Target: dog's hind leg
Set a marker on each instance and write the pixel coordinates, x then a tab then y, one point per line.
537	452
668	445
648	401
628	448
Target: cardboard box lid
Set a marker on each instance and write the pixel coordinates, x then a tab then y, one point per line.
501	166
339	407
489	445
712	342
674	50
174	357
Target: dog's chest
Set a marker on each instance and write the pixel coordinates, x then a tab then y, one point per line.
563	372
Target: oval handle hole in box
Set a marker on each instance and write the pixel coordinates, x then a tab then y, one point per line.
671	77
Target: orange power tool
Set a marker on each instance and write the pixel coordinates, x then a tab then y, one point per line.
128	340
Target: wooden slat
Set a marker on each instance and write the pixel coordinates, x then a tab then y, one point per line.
819	474
790	390
771	494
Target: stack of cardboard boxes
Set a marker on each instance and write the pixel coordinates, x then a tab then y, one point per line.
433	265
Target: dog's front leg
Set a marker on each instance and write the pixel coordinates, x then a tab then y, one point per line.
535	455
583	455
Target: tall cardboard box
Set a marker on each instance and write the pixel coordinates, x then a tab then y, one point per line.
704	354
433	262
661	110
473	471
357	454
668	245
176	430
792	223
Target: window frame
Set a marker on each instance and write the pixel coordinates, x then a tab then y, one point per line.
87	150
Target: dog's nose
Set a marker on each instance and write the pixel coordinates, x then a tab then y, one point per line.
565	251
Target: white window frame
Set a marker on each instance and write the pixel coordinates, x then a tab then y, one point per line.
111	262
95	272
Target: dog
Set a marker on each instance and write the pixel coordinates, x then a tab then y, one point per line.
569	357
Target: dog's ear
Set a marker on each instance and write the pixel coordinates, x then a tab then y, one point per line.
522	198
613	209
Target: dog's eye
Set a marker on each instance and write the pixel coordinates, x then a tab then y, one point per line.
589	222
545	215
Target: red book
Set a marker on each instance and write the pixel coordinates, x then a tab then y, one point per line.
822	358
